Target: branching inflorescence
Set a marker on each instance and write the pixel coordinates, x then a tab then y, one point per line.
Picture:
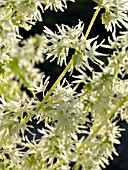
68	134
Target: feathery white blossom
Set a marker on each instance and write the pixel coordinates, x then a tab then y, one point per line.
61	41
78	127
115	14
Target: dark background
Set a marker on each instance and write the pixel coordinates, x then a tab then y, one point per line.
83	10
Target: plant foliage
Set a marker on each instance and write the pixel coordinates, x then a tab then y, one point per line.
78	127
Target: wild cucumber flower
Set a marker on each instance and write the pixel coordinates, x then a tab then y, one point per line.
119	60
87	49
70	110
60	43
56	4
41	88
100	145
37	47
115	14
21	14
78	127
81	78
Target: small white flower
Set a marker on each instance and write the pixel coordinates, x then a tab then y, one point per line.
116	14
87	49
60	42
42	87
56	4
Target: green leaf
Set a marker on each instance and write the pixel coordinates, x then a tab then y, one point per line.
75	59
2	70
13	65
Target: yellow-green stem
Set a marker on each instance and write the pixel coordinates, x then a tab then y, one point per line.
92	21
54	85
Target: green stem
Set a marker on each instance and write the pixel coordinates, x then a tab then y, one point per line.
54	85
24	121
92	21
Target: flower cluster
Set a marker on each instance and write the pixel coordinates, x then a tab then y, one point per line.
74	127
72	38
61	41
24	14
115	14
